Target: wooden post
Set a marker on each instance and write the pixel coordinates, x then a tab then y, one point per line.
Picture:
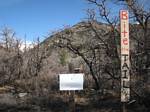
74	103
124	107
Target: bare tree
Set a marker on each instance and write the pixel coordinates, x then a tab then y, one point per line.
11	60
8	38
33	63
90	49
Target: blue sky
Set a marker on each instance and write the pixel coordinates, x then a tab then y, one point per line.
39	17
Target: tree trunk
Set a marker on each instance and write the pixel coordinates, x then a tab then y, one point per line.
94	78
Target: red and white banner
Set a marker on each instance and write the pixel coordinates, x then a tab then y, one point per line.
125	61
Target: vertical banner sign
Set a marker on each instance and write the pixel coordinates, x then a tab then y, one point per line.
125	62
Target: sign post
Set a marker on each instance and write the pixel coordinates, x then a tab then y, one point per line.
71	82
125	58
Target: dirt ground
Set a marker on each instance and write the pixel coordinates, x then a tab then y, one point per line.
60	102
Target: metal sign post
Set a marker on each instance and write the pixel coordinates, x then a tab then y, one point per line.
125	62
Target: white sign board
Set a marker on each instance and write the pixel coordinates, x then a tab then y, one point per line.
71	81
125	62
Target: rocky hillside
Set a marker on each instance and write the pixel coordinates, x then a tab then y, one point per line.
82	34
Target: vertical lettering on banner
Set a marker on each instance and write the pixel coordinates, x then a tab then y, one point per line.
125	62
